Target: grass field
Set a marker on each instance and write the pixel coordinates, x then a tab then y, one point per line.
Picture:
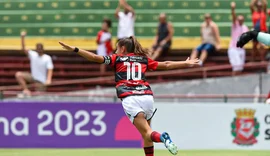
121	152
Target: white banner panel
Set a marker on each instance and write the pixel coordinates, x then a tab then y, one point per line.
215	126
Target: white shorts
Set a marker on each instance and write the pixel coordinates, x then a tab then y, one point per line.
133	105
237	57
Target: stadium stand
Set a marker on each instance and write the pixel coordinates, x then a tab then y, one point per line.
69	67
71	18
77	22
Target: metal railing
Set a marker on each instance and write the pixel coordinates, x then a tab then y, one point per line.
202	70
225	97
7	90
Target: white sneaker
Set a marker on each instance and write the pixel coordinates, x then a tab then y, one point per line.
165	137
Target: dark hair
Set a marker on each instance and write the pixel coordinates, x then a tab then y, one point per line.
108	22
207	15
133	46
39	45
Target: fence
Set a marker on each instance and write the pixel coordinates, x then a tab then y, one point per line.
6	91
86	125
203	70
49	95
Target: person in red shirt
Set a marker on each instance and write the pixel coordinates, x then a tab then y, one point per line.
104	42
130	63
259	19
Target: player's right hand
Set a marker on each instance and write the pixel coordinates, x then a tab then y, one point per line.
246	37
67	47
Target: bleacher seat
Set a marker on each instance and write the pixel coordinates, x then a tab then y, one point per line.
72	18
71	66
77	22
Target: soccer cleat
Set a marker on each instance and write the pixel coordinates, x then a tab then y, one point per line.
165	138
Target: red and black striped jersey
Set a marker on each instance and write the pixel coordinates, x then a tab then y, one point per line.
130	72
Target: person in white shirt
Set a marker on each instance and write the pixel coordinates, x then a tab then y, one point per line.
41	68
126	20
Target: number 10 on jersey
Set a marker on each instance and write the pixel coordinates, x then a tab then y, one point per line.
131	70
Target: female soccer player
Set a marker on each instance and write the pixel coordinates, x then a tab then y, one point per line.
130	64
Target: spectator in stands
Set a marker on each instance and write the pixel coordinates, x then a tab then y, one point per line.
163	38
237	55
41	68
126	20
259	18
104	42
210	39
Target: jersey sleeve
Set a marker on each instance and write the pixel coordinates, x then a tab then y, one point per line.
110	60
31	54
152	65
120	14
130	15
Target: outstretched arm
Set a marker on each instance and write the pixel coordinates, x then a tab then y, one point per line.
251	6
217	35
23	34
117	10
86	54
49	76
127	6
168	65
264	2
233	12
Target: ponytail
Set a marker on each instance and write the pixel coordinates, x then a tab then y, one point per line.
133	46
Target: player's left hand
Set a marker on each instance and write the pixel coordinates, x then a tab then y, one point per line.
193	62
67	47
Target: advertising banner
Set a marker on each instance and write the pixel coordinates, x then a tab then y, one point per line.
215	125
65	125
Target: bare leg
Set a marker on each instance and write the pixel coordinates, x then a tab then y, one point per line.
156	53
149	143
194	54
21	79
148	135
203	56
143	127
